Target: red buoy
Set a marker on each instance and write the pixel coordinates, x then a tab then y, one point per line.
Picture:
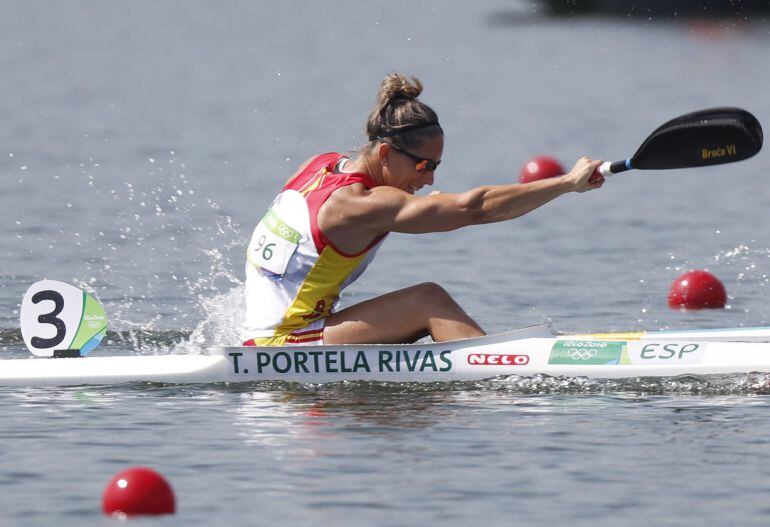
697	290
138	490
540	167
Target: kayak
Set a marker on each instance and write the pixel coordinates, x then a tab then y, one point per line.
62	325
523	352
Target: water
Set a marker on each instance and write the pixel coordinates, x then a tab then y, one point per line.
142	141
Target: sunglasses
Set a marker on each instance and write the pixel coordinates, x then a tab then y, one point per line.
423	164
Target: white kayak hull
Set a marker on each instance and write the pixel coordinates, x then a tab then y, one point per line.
524	352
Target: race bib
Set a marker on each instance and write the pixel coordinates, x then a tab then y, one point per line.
273	243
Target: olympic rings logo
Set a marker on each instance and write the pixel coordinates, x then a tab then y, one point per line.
285	232
582	354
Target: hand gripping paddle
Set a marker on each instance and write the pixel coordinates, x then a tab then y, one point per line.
698	139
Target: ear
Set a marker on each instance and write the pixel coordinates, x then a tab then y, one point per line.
383	153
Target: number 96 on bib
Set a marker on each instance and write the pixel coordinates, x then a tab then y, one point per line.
272	244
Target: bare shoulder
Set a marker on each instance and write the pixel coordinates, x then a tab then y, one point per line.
385	209
357	193
350	217
358	203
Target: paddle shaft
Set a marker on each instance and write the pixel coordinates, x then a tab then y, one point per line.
608	168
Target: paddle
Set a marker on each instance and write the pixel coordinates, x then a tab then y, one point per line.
703	138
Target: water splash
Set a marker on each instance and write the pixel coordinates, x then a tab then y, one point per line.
220	325
140	236
147	243
750	267
745	271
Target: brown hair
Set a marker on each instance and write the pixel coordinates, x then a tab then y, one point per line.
399	115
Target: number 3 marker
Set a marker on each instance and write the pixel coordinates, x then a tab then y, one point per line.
59	317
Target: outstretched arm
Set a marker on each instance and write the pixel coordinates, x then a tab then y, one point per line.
386	209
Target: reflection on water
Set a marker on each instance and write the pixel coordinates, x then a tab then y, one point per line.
364	446
311	420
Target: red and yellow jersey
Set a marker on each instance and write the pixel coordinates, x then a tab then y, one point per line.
294	274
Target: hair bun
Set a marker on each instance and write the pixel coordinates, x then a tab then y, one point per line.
397	86
399	114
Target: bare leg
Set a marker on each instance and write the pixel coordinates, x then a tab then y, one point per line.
402	316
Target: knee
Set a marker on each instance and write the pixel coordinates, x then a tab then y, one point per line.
432	292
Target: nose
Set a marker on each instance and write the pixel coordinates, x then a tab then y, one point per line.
428	177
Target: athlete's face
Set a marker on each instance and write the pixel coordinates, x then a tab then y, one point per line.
411	169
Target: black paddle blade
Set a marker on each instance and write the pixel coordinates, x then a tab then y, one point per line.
702	138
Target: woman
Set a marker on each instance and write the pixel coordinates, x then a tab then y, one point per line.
324	228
